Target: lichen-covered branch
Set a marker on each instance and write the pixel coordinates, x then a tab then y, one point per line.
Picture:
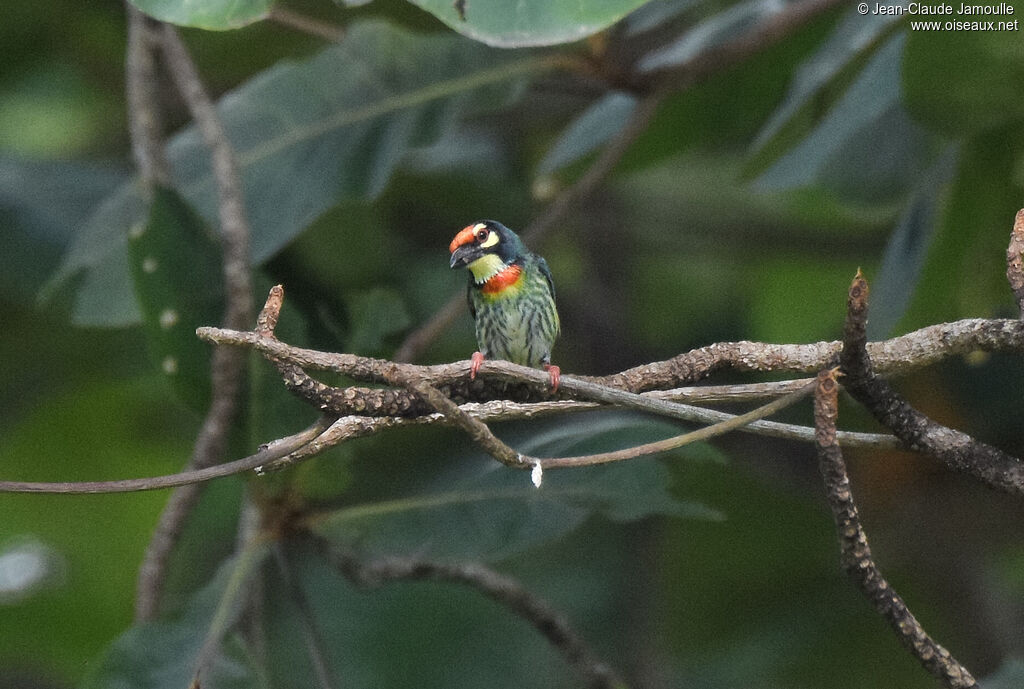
955	449
1015	260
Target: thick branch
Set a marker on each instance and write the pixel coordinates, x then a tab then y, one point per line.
896	356
855	554
500	588
955	449
1015	260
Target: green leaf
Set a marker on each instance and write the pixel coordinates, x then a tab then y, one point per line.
528	22
217	15
375	314
1009	675
106	430
175	265
963	82
310	135
866	148
964	274
490	512
907	248
717	29
819	82
168	654
588	132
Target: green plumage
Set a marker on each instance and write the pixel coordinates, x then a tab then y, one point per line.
511	295
520	323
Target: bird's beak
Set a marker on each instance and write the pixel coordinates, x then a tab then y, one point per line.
464	255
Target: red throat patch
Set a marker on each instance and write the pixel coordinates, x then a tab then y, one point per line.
504	279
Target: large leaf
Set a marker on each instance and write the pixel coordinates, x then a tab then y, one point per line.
907	248
486	511
598	123
209	14
175	263
866	148
819	82
964	274
41	204
962	82
169	654
715	30
309	135
507	24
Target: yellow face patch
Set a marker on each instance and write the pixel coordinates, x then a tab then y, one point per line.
492	237
486	267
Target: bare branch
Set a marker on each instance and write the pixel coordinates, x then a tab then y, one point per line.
267	454
306	24
955	449
227	367
499	588
141	81
855	554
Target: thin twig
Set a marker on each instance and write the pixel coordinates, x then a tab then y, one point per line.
306	24
351	427
499	588
955	449
141	82
855	554
267	454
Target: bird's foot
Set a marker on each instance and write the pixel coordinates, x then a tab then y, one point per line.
555	374
474	367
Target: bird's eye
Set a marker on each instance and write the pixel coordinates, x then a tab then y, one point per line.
481	235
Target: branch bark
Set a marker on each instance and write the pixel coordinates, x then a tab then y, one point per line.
855	554
955	449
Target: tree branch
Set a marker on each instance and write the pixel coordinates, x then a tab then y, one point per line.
855	554
305	24
955	449
267	454
500	588
227	368
1015	260
141	80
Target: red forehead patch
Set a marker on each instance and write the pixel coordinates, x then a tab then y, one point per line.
466	235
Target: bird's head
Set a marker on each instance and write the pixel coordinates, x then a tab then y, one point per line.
486	248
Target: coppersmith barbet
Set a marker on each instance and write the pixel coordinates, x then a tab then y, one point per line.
511	297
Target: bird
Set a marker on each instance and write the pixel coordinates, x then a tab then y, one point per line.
511	297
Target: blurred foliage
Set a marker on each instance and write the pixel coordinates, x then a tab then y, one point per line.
741	212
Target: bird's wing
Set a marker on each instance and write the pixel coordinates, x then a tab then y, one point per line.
546	272
469	298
